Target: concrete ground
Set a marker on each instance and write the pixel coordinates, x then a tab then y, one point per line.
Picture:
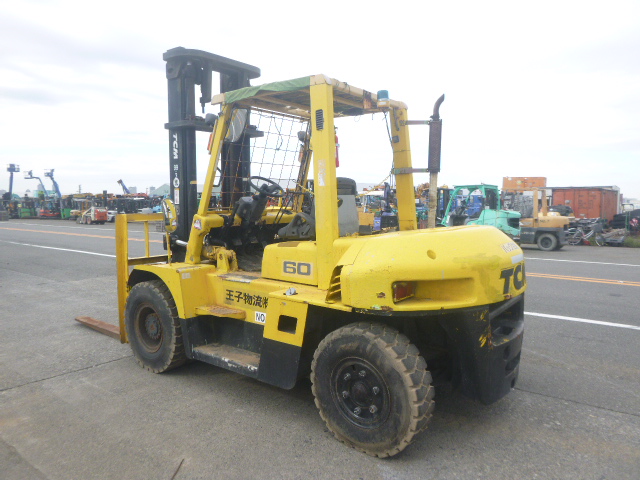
75	405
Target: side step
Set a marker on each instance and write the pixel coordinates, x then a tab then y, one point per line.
221	311
231	358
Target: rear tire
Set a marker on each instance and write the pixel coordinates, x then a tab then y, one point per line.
372	388
153	329
547	242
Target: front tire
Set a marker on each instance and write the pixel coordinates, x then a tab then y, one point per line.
372	388
153	329
547	242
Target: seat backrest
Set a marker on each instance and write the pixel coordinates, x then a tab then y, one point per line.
302	227
347	186
348	210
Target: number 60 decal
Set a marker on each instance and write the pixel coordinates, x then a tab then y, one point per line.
297	268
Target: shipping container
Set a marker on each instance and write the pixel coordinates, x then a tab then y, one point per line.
589	202
509	183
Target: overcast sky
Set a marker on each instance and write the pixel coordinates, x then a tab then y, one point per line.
546	88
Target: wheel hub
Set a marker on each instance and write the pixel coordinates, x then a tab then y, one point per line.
361	393
148	326
152	326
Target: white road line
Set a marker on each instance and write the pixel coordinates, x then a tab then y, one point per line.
583	320
544	315
582	261
63	249
87	227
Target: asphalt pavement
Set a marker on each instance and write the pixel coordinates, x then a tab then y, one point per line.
75	405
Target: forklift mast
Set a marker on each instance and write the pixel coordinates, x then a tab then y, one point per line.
187	68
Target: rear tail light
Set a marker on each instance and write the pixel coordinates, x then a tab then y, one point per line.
403	290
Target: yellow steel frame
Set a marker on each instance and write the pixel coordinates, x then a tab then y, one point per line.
194	246
124	263
402	162
323	145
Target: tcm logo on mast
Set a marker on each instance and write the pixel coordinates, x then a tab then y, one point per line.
175	146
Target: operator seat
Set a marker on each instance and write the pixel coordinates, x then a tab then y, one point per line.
459	215
347	209
303	225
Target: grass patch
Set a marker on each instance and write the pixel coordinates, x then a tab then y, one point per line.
632	241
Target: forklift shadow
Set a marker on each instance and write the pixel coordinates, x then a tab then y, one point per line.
201	371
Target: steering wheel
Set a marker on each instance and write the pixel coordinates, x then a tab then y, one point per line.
261	188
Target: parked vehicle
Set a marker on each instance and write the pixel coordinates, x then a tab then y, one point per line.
538	226
93	215
252	288
480	205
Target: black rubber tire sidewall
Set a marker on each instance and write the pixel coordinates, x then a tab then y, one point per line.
553	242
152	293
374	440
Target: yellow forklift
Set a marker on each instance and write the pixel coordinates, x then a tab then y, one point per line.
267	274
538	226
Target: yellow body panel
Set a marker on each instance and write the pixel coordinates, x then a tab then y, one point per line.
187	283
292	261
453	268
286	319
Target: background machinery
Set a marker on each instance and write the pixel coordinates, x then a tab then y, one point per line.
8	205
93	215
125	190
480	205
273	281
538	226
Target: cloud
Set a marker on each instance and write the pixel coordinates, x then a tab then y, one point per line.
544	89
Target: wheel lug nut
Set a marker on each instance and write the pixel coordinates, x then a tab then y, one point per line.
362	373
375	390
373	409
347	377
357	410
345	394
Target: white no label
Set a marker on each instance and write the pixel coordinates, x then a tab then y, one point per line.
261	317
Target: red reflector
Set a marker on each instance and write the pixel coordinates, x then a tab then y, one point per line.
403	290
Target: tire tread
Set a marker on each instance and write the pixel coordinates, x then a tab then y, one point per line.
177	355
406	359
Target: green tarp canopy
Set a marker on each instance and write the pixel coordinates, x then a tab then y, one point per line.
284	86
